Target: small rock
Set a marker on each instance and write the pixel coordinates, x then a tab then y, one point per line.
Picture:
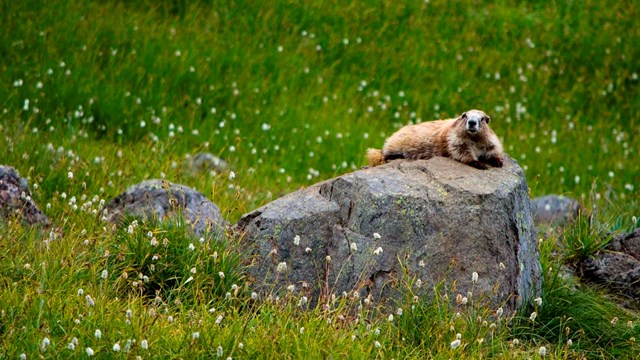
617	267
205	162
628	243
554	210
15	199
161	199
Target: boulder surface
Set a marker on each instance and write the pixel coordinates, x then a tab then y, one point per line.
426	221
15	199
160	199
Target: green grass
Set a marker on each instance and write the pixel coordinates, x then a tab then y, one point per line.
291	93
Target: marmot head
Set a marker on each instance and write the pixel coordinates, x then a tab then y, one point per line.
474	121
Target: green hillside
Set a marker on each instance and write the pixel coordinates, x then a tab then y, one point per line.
100	95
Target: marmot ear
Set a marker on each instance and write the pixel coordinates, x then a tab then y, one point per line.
487	119
463	116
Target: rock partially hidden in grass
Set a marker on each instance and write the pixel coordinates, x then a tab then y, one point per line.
160	199
423	221
554	210
205	162
617	267
15	199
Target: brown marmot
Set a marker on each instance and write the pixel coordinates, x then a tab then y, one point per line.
467	139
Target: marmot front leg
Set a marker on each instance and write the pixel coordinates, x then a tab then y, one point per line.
471	161
493	159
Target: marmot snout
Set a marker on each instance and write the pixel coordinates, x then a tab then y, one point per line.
467	139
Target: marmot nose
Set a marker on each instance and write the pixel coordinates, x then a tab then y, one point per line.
472	123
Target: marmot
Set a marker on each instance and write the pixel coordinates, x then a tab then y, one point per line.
467	139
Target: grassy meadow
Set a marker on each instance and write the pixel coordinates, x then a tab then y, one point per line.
99	95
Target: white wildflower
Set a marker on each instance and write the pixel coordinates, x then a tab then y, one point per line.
538	301
455	344
45	344
542	351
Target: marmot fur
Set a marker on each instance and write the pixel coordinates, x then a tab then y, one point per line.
467	139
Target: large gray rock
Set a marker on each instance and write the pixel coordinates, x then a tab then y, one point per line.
160	199
437	220
554	210
617	267
15	199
